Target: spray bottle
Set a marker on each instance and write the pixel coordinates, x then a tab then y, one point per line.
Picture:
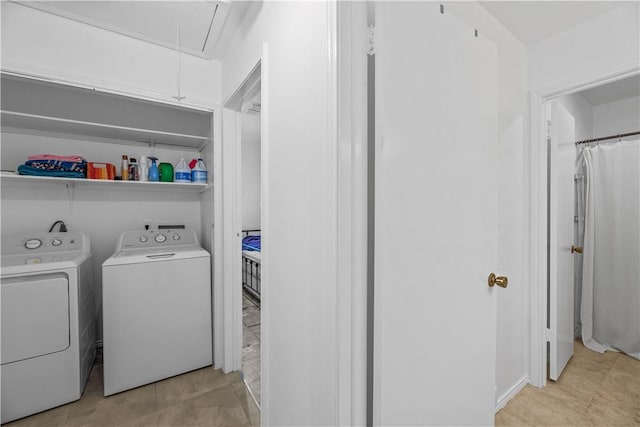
154	175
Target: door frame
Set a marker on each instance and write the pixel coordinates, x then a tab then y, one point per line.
348	39
227	196
537	214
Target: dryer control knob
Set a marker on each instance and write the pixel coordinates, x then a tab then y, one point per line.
56	242
176	237
33	244
160	238
143	239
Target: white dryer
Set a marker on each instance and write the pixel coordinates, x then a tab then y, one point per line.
48	321
156	308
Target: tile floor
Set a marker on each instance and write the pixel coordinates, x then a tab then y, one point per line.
205	397
594	390
251	345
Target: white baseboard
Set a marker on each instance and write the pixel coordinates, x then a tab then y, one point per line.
509	394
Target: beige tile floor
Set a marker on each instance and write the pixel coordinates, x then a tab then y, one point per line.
206	397
203	397
251	345
594	390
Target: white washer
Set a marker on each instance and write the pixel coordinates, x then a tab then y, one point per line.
156	307
48	321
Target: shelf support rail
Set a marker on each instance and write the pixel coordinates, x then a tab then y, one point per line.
70	186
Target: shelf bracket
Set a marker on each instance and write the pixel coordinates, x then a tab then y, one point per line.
70	186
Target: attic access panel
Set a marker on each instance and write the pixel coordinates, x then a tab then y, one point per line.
201	22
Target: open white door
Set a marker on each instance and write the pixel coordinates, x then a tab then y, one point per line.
436	219
562	159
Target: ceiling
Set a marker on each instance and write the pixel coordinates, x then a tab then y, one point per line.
611	92
532	21
206	26
203	25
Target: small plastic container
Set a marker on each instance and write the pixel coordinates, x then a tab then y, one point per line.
182	171
144	169
134	170
199	173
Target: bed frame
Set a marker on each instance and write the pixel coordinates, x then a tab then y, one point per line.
251	271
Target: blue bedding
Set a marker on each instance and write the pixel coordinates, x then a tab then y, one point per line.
251	243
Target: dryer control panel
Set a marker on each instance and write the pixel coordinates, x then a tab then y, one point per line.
41	243
151	239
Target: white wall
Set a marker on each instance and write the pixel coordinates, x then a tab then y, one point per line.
40	43
582	53
582	112
513	311
617	117
101	213
250	171
299	374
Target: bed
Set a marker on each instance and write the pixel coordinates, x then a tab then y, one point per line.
251	260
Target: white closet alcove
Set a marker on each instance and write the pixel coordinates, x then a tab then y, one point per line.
98	125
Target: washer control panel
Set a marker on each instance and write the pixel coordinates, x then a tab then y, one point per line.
45	243
157	238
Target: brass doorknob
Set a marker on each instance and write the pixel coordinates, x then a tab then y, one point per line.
576	249
501	281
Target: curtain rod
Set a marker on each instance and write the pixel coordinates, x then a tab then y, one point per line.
622	135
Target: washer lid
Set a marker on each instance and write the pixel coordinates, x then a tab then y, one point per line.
138	256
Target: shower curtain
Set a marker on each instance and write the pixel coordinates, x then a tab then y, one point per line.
610	309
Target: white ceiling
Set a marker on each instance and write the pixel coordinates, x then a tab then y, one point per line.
201	22
532	21
207	25
615	91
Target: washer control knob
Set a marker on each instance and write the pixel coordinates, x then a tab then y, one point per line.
176	237
143	239
33	244
56	242
160	238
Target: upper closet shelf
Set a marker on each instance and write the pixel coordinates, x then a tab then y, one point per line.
31	123
30	105
99	184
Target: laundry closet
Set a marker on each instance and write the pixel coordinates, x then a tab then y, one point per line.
594	229
67	129
41	117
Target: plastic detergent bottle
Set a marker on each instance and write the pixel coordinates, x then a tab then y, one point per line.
154	175
144	169
183	173
199	172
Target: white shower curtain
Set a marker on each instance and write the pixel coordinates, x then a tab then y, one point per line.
610	309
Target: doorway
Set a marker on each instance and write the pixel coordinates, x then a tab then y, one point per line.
250	208
603	109
240	184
